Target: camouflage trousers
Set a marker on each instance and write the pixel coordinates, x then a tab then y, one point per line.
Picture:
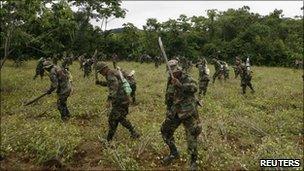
87	72
203	85
62	105
246	83
236	72
192	127
216	75
119	115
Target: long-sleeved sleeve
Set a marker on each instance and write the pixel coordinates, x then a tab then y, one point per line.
113	84
102	83
54	81
189	86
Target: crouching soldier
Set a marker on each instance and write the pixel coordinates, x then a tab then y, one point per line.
61	82
181	109
117	98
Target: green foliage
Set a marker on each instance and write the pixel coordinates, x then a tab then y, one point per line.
270	40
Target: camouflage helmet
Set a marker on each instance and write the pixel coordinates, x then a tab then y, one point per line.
100	66
172	63
47	64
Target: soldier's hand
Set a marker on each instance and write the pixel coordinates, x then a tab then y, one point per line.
176	82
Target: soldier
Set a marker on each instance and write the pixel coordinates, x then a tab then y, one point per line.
114	59
87	67
217	68
246	78
237	67
181	109
119	100
81	60
224	70
67	61
203	76
157	61
39	68
61	82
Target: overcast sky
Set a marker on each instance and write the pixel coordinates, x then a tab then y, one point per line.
139	11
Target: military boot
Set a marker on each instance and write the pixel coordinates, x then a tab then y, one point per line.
174	154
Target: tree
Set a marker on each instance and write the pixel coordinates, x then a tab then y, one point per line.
15	15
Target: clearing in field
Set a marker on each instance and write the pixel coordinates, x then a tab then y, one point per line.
238	130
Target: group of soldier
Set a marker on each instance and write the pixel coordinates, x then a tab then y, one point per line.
180	97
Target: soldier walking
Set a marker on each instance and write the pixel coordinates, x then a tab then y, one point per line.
246	78
203	76
118	99
39	68
61	82
181	109
87	67
217	68
237	67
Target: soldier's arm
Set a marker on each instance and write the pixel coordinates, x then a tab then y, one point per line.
189	86
54	82
101	83
113	86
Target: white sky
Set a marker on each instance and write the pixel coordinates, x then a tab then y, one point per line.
139	11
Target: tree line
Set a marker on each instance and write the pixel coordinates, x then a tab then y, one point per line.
36	28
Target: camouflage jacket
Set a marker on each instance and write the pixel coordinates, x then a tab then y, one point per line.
202	69
217	65
181	100
245	74
117	94
60	80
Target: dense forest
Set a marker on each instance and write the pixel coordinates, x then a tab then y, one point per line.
36	28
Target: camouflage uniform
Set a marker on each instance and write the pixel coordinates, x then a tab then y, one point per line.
81	60
237	67
224	70
157	61
60	81
181	109
217	69
119	100
87	67
203	77
39	68
245	79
